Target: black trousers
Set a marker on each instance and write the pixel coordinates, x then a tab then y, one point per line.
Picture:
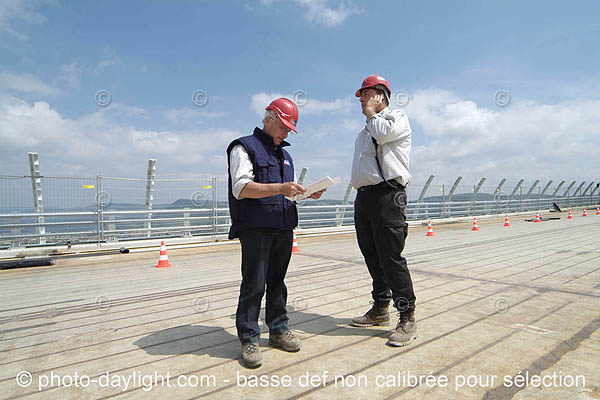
265	258
381	229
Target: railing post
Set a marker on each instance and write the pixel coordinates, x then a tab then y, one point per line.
186	223
99	210
498	194
150	194
214	207
520	198
422	196
476	190
38	203
556	191
339	217
443	202
449	199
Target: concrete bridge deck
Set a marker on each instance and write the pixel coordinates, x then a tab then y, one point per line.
491	305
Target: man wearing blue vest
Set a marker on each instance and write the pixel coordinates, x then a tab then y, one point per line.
261	173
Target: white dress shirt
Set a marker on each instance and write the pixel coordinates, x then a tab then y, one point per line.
241	170
392	132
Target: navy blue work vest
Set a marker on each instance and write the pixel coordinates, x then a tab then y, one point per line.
271	165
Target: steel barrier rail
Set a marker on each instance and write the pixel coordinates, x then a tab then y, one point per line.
118	224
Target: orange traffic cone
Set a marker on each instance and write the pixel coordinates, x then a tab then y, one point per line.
163	259
597	210
584	213
295	248
506	220
429	229
570	214
475	227
537	217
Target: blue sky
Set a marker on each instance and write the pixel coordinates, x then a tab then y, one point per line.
450	58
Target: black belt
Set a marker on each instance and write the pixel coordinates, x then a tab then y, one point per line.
382	185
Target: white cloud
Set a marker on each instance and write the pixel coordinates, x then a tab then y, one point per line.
452	136
336	130
312	106
19	11
320	12
524	140
26	83
110	60
95	143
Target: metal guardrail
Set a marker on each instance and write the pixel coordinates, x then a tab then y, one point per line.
45	210
105	225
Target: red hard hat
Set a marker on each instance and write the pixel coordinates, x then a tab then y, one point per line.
372	81
286	111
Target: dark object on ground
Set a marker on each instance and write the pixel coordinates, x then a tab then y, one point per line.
124	250
27	262
542	219
555	207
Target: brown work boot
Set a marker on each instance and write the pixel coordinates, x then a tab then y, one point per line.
378	315
251	355
286	341
406	330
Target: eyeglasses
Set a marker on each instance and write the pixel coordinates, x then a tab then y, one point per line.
282	126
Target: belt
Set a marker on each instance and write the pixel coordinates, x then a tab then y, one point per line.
382	185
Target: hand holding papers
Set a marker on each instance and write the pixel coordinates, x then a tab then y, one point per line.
315	187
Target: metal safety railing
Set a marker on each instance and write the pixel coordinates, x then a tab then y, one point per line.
111	222
42	210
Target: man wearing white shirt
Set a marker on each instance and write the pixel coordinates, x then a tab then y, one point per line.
261	173
380	175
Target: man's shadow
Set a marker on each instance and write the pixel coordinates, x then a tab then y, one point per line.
216	342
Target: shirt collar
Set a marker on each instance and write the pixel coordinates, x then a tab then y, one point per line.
382	113
266	139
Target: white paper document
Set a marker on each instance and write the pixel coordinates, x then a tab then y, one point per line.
321	184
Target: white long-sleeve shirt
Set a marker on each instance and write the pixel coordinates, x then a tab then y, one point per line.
241	169
392	132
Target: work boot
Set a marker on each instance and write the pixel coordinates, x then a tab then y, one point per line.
285	341
378	315
251	355
406	330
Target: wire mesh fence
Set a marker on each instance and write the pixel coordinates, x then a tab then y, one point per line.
110	209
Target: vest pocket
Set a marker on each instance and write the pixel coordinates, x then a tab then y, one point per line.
266	171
